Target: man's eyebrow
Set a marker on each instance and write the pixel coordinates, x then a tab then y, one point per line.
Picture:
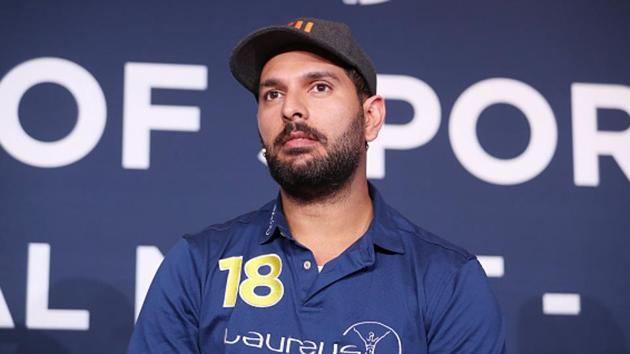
313	75
269	83
316	75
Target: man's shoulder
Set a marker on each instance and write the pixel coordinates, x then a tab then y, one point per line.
245	227
426	247
251	218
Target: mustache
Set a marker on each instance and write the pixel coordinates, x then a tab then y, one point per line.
312	133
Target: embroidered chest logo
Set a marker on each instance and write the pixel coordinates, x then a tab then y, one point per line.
375	335
367	337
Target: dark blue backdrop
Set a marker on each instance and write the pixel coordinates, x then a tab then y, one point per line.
551	233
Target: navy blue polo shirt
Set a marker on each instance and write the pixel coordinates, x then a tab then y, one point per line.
246	286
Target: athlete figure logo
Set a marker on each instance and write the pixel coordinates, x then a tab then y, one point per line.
371	341
368	332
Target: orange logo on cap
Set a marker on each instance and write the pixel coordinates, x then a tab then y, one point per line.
298	24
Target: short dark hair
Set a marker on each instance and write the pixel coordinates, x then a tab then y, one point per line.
363	91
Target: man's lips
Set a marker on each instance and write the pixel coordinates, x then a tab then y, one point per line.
296	135
299	139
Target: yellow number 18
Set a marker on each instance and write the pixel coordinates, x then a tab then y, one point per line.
253	281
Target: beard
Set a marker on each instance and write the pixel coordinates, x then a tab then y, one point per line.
320	177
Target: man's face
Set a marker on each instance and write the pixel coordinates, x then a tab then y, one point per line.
311	123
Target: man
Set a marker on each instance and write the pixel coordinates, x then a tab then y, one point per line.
328	267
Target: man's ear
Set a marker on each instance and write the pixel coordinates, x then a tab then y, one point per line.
374	116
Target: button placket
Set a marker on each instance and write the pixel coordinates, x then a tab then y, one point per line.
307	265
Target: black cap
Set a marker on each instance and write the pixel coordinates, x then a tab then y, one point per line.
331	39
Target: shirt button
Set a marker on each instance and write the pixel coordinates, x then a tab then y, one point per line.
307	265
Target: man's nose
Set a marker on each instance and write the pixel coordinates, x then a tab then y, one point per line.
294	107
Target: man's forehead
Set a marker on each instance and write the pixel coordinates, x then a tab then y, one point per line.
299	63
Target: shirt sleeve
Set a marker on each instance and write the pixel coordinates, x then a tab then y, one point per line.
168	321
465	316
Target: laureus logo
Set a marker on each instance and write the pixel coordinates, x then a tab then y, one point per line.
375	335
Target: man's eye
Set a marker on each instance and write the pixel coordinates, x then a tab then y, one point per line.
321	88
271	95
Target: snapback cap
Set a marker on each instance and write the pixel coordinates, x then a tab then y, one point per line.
330	39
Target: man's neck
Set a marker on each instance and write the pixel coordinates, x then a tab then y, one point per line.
328	227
